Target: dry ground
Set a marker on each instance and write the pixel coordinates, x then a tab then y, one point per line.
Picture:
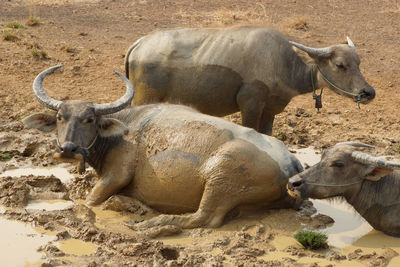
90	38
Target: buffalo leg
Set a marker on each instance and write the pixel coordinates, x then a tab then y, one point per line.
113	179
266	123
212	210
251	102
105	188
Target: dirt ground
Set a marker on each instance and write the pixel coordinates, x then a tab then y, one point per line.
90	37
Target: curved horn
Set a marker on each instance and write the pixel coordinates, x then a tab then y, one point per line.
311	50
375	161
350	42
356	144
39	92
125	100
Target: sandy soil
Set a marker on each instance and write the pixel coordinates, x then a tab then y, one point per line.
90	38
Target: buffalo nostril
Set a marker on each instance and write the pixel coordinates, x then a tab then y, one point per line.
69	147
369	93
297	183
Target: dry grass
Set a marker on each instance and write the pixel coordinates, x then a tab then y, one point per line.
233	16
32	21
395	9
10	37
39	54
15	25
68	49
391	10
32	45
255	14
298	23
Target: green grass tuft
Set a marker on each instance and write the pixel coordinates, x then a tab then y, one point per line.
312	240
6	156
15	25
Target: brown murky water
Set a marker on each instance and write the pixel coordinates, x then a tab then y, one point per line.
77	247
59	172
19	243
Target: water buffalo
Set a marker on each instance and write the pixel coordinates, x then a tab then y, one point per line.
370	184
251	69
170	157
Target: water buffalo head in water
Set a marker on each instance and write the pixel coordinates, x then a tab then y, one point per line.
78	123
337	67
341	171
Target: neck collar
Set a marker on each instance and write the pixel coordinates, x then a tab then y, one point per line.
318	98
336	185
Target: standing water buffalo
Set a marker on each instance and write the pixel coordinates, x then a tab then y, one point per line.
370	184
251	69
172	157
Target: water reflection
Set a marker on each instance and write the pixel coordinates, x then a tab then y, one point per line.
349	225
49	205
19	244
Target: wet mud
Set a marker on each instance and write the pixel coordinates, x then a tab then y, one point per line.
45	204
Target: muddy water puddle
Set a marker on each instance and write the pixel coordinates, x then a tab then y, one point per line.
49	205
349	226
19	243
113	221
76	247
59	172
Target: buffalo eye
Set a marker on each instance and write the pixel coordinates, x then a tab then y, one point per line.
89	120
59	117
340	66
337	164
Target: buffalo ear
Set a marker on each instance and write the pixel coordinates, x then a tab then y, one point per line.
377	173
41	121
111	127
305	57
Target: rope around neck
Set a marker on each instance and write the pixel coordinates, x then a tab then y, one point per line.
335	185
317	98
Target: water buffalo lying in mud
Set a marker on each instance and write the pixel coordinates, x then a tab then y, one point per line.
370	184
173	159
251	69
